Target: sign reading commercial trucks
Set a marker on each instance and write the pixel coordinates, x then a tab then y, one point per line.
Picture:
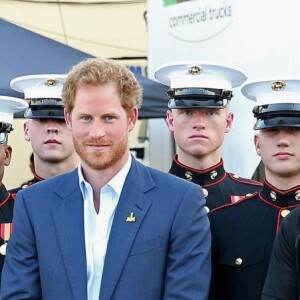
261	38
213	17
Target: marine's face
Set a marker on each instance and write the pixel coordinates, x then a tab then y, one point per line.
50	139
279	149
100	126
199	132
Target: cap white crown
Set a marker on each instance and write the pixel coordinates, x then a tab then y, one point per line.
9	106
271	91
194	74
39	86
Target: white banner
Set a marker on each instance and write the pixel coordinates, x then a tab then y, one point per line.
259	37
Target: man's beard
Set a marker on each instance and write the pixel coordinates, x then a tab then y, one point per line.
102	159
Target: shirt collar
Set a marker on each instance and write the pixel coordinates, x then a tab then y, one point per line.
116	183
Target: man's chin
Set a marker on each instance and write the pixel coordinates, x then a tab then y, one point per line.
99	165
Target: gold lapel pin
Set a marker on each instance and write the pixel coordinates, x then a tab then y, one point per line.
131	218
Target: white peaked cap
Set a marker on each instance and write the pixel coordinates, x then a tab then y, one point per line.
39	86
197	74
272	91
9	106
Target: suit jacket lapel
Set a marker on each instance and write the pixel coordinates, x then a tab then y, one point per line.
69	222
122	235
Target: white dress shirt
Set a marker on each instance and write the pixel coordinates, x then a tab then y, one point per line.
97	226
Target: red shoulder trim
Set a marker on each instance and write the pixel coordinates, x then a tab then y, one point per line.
244	180
241	199
6	199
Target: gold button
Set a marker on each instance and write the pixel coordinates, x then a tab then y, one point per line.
236	176
284	213
207	209
239	261
205	192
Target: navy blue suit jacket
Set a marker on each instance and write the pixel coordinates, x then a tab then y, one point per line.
164	254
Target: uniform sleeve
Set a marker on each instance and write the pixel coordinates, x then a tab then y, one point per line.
20	276
189	263
281	282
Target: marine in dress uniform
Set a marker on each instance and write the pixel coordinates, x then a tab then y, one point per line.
283	279
43	94
219	187
243	233
8	106
202	85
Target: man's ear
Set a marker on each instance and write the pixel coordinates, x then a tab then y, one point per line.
26	131
8	152
229	122
170	120
132	118
257	144
68	120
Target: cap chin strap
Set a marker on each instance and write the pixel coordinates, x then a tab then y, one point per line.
277	122
197	103
201	93
44	112
5	127
277	115
276	109
44	101
3	137
198	98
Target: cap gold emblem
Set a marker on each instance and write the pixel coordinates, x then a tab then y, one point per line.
188	175
195	70
213	174
273	195
51	82
297	195
278	85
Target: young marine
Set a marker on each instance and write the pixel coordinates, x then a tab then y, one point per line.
243	233
45	127
283	279
8	106
199	117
